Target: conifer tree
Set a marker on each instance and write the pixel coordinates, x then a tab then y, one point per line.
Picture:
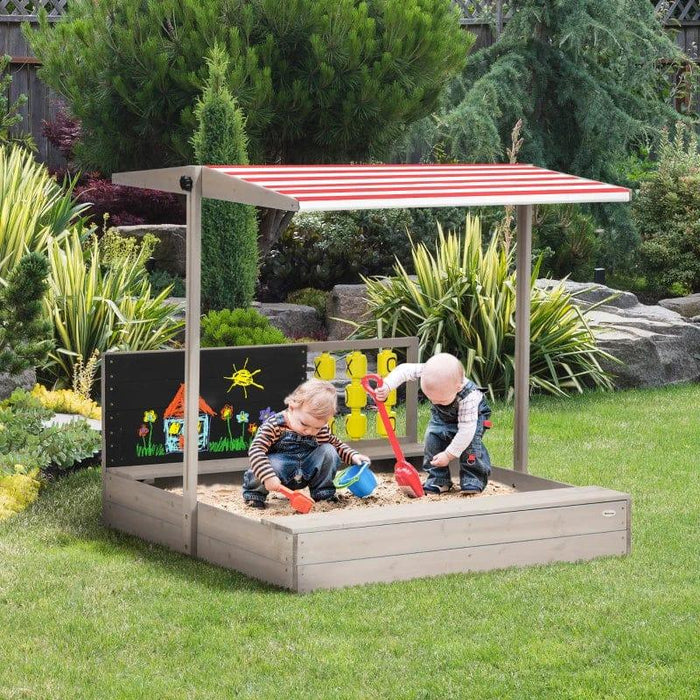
25	335
229	231
319	80
591	80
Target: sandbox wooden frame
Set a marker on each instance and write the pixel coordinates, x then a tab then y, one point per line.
545	522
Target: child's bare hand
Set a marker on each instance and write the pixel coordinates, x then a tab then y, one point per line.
359	459
382	392
272	484
441	459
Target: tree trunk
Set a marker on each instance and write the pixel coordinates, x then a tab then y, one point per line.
273	222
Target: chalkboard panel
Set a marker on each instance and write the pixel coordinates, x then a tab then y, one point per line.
143	411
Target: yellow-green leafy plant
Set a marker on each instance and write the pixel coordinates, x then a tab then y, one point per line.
34	208
67	401
462	301
101	307
84	374
18	490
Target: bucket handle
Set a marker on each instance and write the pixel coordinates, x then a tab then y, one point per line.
340	484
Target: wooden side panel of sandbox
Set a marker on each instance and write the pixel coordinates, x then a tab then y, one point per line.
256	549
562	525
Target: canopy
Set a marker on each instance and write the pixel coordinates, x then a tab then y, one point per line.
295	188
338	187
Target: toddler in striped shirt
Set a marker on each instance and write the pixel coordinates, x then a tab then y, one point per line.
458	417
296	448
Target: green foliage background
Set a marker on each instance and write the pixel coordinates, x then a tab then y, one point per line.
319	80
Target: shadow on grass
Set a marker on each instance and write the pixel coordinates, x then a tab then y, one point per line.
69	512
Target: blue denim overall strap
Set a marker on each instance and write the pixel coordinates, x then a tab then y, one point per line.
298	461
474	462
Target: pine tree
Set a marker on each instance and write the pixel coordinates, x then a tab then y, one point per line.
591	80
319	80
25	335
229	231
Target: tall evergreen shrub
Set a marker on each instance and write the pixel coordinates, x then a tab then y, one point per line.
25	334
229	231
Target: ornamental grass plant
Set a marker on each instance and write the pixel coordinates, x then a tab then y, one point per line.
462	300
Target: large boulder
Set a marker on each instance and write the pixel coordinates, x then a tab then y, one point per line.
294	320
10	382
688	307
171	252
654	345
346	302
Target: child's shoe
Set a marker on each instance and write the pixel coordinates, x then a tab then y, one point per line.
436	488
259	505
471	486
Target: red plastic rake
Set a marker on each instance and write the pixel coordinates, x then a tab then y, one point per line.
405	474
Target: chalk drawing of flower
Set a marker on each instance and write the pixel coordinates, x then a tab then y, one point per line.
253	428
265	414
242	417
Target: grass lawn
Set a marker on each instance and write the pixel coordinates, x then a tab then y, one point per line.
89	613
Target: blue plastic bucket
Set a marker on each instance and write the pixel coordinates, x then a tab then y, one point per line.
359	479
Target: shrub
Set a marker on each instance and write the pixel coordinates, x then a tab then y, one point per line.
10	115
24	439
162	279
67	401
667	214
18	490
315	298
234	327
567	238
323	249
96	306
25	334
229	231
34	209
463	302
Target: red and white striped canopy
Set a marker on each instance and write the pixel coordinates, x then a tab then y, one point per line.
336	187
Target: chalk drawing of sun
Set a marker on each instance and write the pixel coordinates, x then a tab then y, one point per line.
243	378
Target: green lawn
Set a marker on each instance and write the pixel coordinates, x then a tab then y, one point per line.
88	613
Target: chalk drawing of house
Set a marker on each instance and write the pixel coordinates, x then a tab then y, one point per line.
174	423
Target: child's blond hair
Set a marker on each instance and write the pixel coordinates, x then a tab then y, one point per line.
317	396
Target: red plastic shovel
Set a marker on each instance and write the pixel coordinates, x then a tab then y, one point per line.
405	474
300	502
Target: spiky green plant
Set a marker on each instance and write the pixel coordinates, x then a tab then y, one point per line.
34	208
101	307
462	300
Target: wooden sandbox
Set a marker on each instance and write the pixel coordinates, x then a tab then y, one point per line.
544	521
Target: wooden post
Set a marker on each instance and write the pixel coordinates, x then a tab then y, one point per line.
193	295
522	336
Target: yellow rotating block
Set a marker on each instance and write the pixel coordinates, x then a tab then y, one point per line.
355	396
391	399
356	425
386	361
325	366
381	430
356	363
331	425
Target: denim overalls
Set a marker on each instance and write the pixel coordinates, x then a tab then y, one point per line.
298	461
474	462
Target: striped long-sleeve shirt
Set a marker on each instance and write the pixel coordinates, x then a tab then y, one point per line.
271	431
467	412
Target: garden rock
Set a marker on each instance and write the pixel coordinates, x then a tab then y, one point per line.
294	320
10	382
590	293
349	303
688	307
171	252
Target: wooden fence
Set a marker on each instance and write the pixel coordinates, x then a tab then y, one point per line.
485	18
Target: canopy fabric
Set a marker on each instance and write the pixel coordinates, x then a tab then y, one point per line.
337	187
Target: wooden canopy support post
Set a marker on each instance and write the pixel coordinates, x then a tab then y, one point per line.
193	187
522	336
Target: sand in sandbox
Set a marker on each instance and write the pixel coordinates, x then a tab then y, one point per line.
229	497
